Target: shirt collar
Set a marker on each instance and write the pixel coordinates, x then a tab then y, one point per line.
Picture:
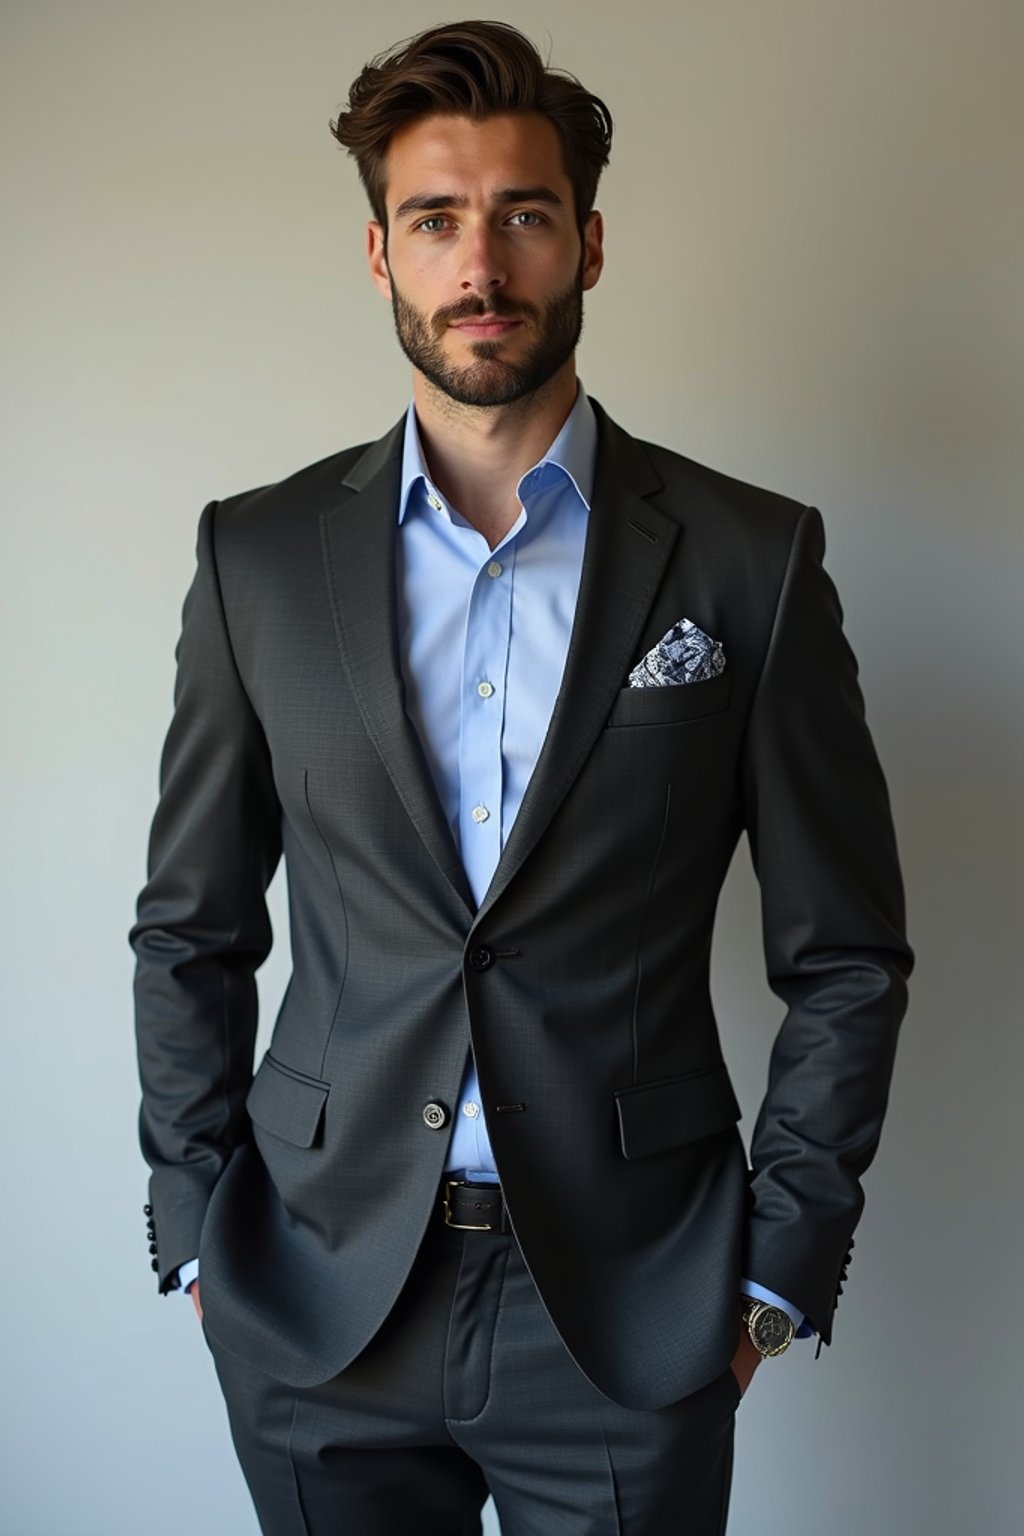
574	452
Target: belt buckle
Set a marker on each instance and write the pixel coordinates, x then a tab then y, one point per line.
463	1226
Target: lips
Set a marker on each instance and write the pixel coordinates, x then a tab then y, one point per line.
486	327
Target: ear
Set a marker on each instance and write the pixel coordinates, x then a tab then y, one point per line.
377	256
593	249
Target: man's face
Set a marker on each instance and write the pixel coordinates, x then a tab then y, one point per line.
483	261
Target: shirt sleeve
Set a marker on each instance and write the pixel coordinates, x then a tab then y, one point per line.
187	1275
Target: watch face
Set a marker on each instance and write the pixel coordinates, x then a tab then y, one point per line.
773	1330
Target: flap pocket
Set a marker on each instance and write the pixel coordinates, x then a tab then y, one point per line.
286	1103
656	1116
675	701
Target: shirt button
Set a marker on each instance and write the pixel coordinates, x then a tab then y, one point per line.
494	569
471	1110
436	503
479	813
485	690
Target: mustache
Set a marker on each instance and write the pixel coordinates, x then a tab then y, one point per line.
475	308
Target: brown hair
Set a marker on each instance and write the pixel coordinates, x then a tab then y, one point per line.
474	69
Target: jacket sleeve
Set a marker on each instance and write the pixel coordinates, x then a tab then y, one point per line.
822	842
202	926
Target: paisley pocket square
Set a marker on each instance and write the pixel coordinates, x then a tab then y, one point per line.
684	655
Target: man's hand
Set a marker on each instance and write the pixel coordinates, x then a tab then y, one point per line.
193	1291
743	1364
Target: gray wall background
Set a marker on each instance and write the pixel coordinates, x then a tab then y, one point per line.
814	282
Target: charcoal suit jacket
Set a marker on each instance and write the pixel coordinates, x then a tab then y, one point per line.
582	979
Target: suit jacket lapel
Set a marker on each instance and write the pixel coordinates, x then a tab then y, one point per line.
628	545
358	539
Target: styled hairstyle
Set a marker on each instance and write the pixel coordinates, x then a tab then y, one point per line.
472	69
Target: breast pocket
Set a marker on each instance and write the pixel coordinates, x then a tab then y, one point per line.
673	703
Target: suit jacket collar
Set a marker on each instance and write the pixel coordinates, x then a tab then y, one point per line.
628	544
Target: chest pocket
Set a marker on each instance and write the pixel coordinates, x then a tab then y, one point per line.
673	703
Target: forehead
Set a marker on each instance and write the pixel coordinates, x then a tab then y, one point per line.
442	154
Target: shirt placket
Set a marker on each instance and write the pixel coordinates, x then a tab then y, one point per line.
485	653
484	669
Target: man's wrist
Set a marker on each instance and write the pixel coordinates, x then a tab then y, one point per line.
755	1292
768	1328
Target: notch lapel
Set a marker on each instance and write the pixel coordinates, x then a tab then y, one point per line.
358	542
628	545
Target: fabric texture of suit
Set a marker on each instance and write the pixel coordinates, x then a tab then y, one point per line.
583	979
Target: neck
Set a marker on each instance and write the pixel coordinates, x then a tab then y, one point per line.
478	454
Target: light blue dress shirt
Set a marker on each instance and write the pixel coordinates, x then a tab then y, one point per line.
482	637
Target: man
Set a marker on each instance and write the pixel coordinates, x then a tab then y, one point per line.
505	687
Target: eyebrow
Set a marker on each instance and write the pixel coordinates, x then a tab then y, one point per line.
431	202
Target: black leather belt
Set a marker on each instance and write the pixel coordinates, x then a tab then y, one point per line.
470	1207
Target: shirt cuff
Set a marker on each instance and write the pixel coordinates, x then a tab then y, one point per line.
187	1273
762	1293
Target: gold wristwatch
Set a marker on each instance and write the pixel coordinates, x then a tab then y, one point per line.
771	1330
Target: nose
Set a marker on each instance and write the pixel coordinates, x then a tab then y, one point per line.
483	270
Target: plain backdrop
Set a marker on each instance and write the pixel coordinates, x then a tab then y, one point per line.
813	281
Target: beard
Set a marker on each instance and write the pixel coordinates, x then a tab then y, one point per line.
491	379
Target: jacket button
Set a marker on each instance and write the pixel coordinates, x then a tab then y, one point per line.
481	958
435	1115
154	1265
